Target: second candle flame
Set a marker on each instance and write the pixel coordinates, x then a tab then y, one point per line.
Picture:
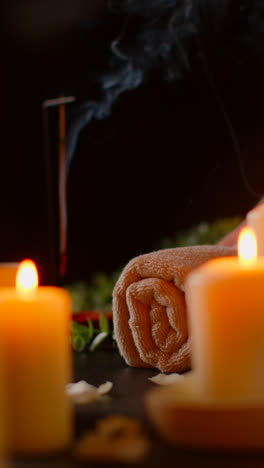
27	277
247	245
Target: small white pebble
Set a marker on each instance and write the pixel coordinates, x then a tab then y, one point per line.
166	379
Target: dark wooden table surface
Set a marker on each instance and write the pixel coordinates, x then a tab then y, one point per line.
127	398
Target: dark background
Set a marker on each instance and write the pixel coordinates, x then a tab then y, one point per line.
162	161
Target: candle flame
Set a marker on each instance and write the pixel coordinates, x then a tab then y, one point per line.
247	245
27	277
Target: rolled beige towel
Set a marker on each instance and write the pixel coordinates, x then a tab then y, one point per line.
149	312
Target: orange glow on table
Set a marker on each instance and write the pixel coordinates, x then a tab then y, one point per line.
34	343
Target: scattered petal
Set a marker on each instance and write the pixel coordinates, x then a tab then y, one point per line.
166	379
105	388
79	387
82	393
98	340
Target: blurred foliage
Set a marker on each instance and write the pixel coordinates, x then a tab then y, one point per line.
202	234
86	334
97	293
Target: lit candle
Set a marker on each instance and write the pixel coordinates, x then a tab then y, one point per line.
225	300
255	219
34	343
8	274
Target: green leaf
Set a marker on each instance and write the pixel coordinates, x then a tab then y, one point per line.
103	323
81	335
78	343
98	340
80	330
91	328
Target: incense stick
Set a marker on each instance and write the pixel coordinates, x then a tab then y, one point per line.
62	189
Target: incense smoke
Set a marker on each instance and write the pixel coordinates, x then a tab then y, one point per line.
169	35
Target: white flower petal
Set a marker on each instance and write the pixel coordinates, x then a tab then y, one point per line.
80	387
166	379
105	388
82	393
